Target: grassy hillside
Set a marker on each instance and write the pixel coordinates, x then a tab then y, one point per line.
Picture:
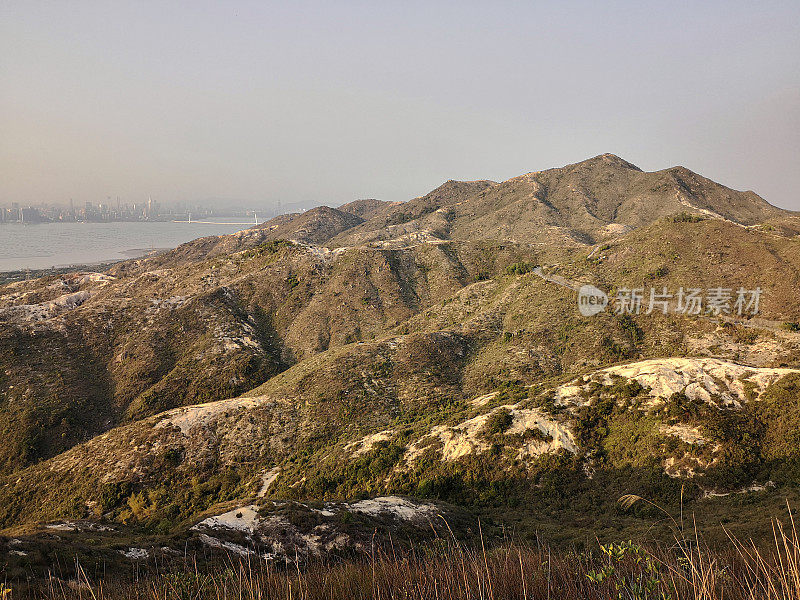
156	333
588	202
509	341
429	351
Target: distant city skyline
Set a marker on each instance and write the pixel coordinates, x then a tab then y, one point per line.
313	103
117	210
221	204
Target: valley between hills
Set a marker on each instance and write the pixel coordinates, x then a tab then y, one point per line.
409	368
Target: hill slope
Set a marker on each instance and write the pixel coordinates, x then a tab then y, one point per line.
431	349
586	202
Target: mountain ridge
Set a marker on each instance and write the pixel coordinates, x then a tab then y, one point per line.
411	349
584	202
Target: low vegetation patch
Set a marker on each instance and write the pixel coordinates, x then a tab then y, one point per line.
685	217
520	268
449	570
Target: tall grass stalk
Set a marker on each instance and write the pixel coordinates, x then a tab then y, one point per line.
449	570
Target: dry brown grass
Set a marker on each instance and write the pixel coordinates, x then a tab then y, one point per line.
448	570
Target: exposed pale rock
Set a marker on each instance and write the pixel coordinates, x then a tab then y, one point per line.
396	506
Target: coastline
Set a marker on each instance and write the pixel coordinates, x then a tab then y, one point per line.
55	248
13	275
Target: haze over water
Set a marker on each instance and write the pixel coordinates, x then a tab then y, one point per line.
45	245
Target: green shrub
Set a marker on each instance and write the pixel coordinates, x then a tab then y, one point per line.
520	268
534	433
657	273
498	422
626	389
631	329
112	495
267	248
685	217
779	406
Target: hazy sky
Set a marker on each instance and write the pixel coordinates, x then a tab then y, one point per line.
327	102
